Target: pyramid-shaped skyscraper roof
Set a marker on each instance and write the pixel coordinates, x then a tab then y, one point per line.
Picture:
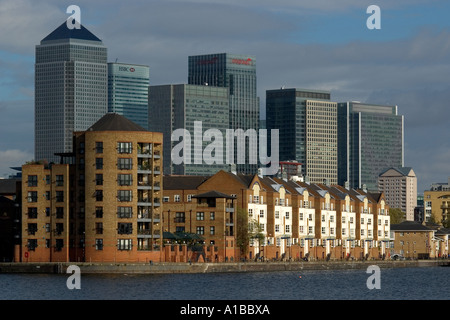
63	32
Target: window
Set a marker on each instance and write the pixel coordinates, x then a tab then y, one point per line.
59	228
287	215
32	196
99	147
124	244
200	216
261	213
212	230
179	217
124	212
288	228
166	199
323	230
212	216
189	197
176	198
32	244
99	195
124	195
124	179
277	228
99	227
124	228
301	216
250	212
47	179
59	212
277	214
59	180
98	163
125	163
99	179
32	228
200	230
32	181
59	196
124	147
32	213
99	212
82	147
98	244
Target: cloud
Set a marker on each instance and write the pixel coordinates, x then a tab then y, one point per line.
411	71
12	158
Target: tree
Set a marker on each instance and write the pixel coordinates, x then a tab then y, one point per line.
397	215
247	229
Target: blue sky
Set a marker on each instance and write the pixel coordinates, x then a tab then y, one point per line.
320	44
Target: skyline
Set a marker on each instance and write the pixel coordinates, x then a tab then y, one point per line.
298	44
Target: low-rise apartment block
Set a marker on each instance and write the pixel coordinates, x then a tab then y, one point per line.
101	203
297	220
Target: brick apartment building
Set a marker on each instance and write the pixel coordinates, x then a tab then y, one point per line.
101	203
296	219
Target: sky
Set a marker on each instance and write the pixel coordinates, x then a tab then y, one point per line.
321	44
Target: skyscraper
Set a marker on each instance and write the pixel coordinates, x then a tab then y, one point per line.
238	74
370	141
70	88
128	91
307	124
173	107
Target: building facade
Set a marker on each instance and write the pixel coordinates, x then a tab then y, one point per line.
238	74
102	204
295	220
436	206
400	187
197	110
128	91
70	88
414	240
307	124
370	139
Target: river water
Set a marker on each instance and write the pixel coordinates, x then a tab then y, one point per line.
427	283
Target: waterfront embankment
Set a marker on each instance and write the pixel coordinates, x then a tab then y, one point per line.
170	268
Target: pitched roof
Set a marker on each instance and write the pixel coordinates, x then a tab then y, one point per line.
115	122
409	226
213	194
174	182
402	170
63	32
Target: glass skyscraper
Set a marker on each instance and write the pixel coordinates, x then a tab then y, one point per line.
238	74
128	91
307	124
173	107
70	88
371	139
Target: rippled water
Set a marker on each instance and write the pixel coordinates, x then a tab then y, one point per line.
430	283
